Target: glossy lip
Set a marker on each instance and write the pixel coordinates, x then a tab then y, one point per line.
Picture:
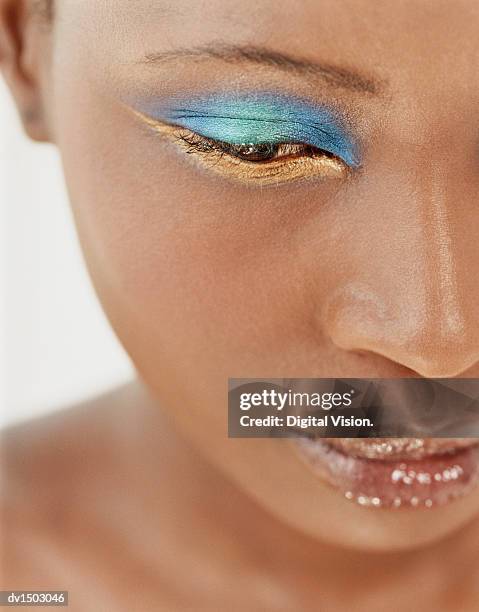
399	448
408	478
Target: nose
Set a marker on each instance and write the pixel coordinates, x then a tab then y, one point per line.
413	291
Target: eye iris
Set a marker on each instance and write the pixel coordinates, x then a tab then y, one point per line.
254	152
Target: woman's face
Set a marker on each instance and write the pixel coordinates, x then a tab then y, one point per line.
278	261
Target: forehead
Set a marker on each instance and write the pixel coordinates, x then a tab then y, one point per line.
377	25
410	40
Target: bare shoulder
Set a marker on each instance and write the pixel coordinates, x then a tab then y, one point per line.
71	505
52	452
54	474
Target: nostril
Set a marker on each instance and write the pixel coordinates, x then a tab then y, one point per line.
445	362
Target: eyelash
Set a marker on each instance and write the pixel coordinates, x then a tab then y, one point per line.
264	163
251	153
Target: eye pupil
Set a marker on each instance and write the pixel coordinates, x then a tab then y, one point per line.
254	152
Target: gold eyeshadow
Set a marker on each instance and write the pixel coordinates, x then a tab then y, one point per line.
251	163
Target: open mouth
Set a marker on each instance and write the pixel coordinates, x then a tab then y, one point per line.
395	472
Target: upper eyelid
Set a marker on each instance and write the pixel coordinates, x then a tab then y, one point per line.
248	119
218	145
191	114
259	117
280	130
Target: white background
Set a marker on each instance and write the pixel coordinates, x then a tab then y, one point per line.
56	344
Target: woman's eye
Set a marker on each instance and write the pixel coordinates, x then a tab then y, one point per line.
252	152
259	138
261	163
264	152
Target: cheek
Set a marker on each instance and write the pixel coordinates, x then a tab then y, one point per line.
198	277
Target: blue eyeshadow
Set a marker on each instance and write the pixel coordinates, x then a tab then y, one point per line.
261	118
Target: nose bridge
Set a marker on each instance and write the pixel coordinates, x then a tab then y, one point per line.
442	273
416	302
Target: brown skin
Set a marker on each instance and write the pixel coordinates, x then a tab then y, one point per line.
205	278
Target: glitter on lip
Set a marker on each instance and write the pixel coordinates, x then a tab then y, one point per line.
398	448
433	480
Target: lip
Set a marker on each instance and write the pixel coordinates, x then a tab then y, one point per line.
394	473
400	448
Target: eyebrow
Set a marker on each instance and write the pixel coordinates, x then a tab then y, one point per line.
333	75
